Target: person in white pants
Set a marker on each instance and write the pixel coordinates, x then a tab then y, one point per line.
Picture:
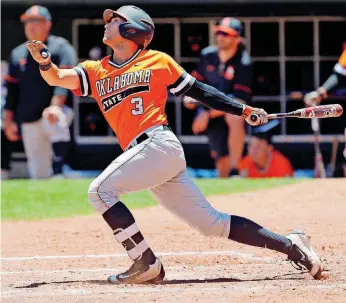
45	141
34	110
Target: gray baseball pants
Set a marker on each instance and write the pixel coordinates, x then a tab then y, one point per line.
158	165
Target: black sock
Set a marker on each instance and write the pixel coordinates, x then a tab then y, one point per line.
60	150
119	218
248	232
234	172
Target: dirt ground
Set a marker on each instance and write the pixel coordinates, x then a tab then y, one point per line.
69	260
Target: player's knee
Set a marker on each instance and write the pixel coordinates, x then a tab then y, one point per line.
101	198
205	231
215	224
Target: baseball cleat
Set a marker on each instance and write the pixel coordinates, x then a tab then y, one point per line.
302	254
140	272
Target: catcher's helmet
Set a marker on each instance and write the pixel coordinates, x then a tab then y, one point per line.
139	27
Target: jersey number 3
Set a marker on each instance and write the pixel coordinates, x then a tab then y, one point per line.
138	102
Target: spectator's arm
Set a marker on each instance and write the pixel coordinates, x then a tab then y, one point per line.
59	100
336	79
242	86
12	98
12	84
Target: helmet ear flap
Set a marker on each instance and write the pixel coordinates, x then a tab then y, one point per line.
131	30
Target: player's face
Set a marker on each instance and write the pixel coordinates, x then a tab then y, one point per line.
111	34
258	149
226	41
36	29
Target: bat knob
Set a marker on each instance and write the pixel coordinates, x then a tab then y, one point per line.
253	118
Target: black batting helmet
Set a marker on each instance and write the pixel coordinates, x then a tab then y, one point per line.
139	27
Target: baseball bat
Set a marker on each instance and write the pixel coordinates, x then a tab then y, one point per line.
322	111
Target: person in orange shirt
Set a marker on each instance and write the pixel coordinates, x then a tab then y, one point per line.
263	160
130	87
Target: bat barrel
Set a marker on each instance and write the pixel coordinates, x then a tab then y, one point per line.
323	111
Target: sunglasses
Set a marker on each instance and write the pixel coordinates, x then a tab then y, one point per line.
35	21
224	34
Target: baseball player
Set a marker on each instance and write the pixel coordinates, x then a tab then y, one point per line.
335	80
130	87
34	110
226	66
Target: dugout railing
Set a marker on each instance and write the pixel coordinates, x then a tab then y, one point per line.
290	54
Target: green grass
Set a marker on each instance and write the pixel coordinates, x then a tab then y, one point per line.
35	200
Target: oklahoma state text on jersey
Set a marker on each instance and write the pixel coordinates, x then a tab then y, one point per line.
132	96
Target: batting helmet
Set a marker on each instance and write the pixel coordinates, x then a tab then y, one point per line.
138	26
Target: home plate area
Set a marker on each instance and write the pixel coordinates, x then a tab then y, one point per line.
69	260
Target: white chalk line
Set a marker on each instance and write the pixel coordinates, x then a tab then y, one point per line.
117	269
161	254
158	289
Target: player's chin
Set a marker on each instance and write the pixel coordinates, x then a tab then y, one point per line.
32	37
106	40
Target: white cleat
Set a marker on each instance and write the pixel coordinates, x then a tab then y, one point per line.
139	273
303	254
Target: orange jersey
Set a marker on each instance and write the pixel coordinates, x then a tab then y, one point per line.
132	96
279	166
340	67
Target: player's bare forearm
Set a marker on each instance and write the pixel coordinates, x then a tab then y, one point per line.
66	78
51	75
54	76
213	98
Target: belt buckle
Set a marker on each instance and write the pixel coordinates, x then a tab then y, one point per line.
134	142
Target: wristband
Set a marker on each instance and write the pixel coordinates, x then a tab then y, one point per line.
45	66
247	111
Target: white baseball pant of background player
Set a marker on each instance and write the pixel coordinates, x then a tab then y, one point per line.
38	138
158	164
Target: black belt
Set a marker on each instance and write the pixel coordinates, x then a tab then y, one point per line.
144	136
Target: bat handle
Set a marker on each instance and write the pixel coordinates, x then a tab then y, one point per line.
254	117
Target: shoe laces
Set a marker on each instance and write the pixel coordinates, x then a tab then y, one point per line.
300	264
296	265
